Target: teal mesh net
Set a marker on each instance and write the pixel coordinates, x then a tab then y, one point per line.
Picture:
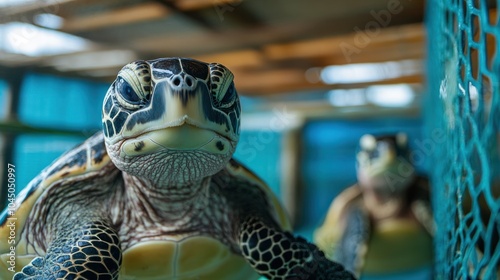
463	136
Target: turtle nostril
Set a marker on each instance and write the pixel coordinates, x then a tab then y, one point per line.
189	82
177	81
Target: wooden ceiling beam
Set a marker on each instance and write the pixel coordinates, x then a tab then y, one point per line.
293	80
246	58
318	53
191	15
133	14
378	54
215	15
353	43
189	5
256	36
260	80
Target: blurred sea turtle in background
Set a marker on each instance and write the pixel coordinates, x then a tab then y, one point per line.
156	195
382	226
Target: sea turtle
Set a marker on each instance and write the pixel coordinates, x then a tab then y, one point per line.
156	194
382	226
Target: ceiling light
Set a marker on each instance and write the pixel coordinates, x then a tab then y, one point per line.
370	72
30	40
49	20
347	97
400	95
13	3
93	60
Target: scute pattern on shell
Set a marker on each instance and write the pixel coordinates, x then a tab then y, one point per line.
84	158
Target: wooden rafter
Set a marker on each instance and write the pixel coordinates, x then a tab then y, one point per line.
133	14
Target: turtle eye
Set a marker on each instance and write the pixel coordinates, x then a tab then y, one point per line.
126	91
222	85
133	85
126	95
228	98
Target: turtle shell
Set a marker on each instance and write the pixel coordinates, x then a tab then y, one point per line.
85	159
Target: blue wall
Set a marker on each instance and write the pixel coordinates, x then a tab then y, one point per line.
54	102
3	96
260	151
62	103
32	153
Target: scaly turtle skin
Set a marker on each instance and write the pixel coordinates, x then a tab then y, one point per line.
156	195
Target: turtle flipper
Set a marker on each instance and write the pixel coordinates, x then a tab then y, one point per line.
92	252
279	255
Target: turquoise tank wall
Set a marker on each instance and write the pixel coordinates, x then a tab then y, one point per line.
3	96
59	103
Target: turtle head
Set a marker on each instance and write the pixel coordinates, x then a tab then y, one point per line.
172	120
383	163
